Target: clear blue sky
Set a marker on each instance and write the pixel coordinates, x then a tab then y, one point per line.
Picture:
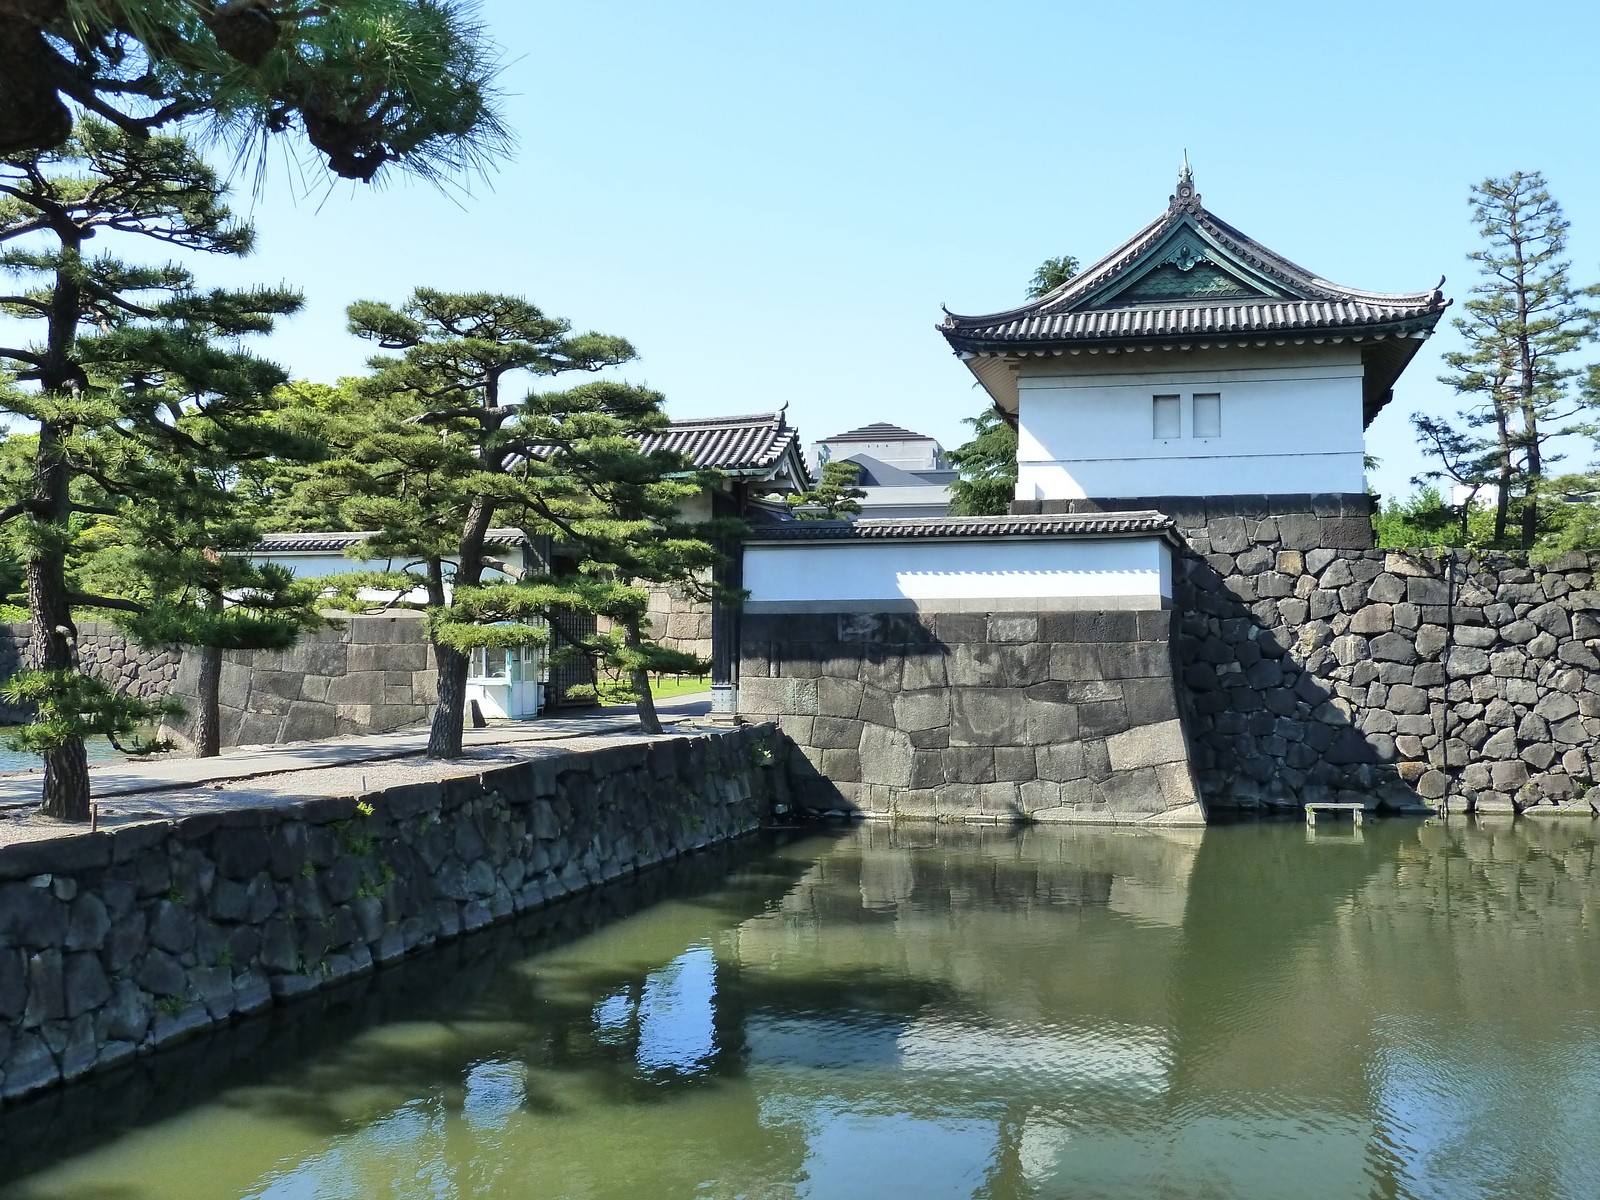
772	201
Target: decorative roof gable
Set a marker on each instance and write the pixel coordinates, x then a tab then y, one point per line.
1190	280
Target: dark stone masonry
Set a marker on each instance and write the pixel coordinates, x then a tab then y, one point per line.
1439	676
113	943
1309	667
105	653
1056	716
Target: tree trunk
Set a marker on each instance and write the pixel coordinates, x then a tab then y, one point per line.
208	720
55	637
1503	485
1530	504
66	782
648	720
444	736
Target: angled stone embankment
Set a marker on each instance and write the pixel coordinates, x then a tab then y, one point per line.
117	941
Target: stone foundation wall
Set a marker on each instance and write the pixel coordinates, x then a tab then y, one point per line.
1437	677
117	942
1059	716
105	653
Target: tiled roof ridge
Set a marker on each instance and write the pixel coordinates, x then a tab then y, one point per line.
339	539
877	430
766	418
1085	524
747	442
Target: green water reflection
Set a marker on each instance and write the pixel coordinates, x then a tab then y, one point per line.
1248	1011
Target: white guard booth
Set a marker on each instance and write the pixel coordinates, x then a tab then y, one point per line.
1098	561
505	683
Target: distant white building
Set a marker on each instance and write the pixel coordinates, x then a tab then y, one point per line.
1193	361
903	473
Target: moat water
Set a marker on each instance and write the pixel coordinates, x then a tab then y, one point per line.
1404	1010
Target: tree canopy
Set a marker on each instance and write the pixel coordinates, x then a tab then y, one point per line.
368	83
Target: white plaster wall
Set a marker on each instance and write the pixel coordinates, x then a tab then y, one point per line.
811	576
1291	422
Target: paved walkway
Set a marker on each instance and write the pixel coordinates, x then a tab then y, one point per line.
124	777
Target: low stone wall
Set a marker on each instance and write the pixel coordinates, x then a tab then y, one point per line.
1058	716
116	942
1409	677
105	652
680	623
374	675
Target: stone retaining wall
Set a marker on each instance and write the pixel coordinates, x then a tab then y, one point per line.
1059	716
114	943
374	675
680	623
105	652
1431	676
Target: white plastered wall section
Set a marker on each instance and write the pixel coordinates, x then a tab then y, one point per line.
958	575
1291	423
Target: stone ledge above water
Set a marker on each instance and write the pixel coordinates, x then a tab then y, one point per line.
115	942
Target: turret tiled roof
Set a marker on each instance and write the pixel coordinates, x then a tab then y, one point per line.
1189	279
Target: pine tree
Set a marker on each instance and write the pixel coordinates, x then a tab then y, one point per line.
426	463
180	549
1472	463
835	497
109	329
1052	273
367	82
988	467
588	482
1522	321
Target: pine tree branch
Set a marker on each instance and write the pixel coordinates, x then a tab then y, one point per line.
21	508
22	356
505	568
90	601
499	412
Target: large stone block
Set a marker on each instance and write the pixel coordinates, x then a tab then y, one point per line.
836	733
986	717
924	667
357	687
885	756
1147	746
968	764
926	709
1060	762
838	697
1012	666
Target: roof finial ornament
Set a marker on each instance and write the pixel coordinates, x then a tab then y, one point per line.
1185	198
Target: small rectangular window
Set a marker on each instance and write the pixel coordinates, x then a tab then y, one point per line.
1207	415
1168	415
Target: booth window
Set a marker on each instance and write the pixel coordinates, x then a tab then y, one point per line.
1207	414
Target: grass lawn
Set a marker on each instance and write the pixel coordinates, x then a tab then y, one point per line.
662	687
